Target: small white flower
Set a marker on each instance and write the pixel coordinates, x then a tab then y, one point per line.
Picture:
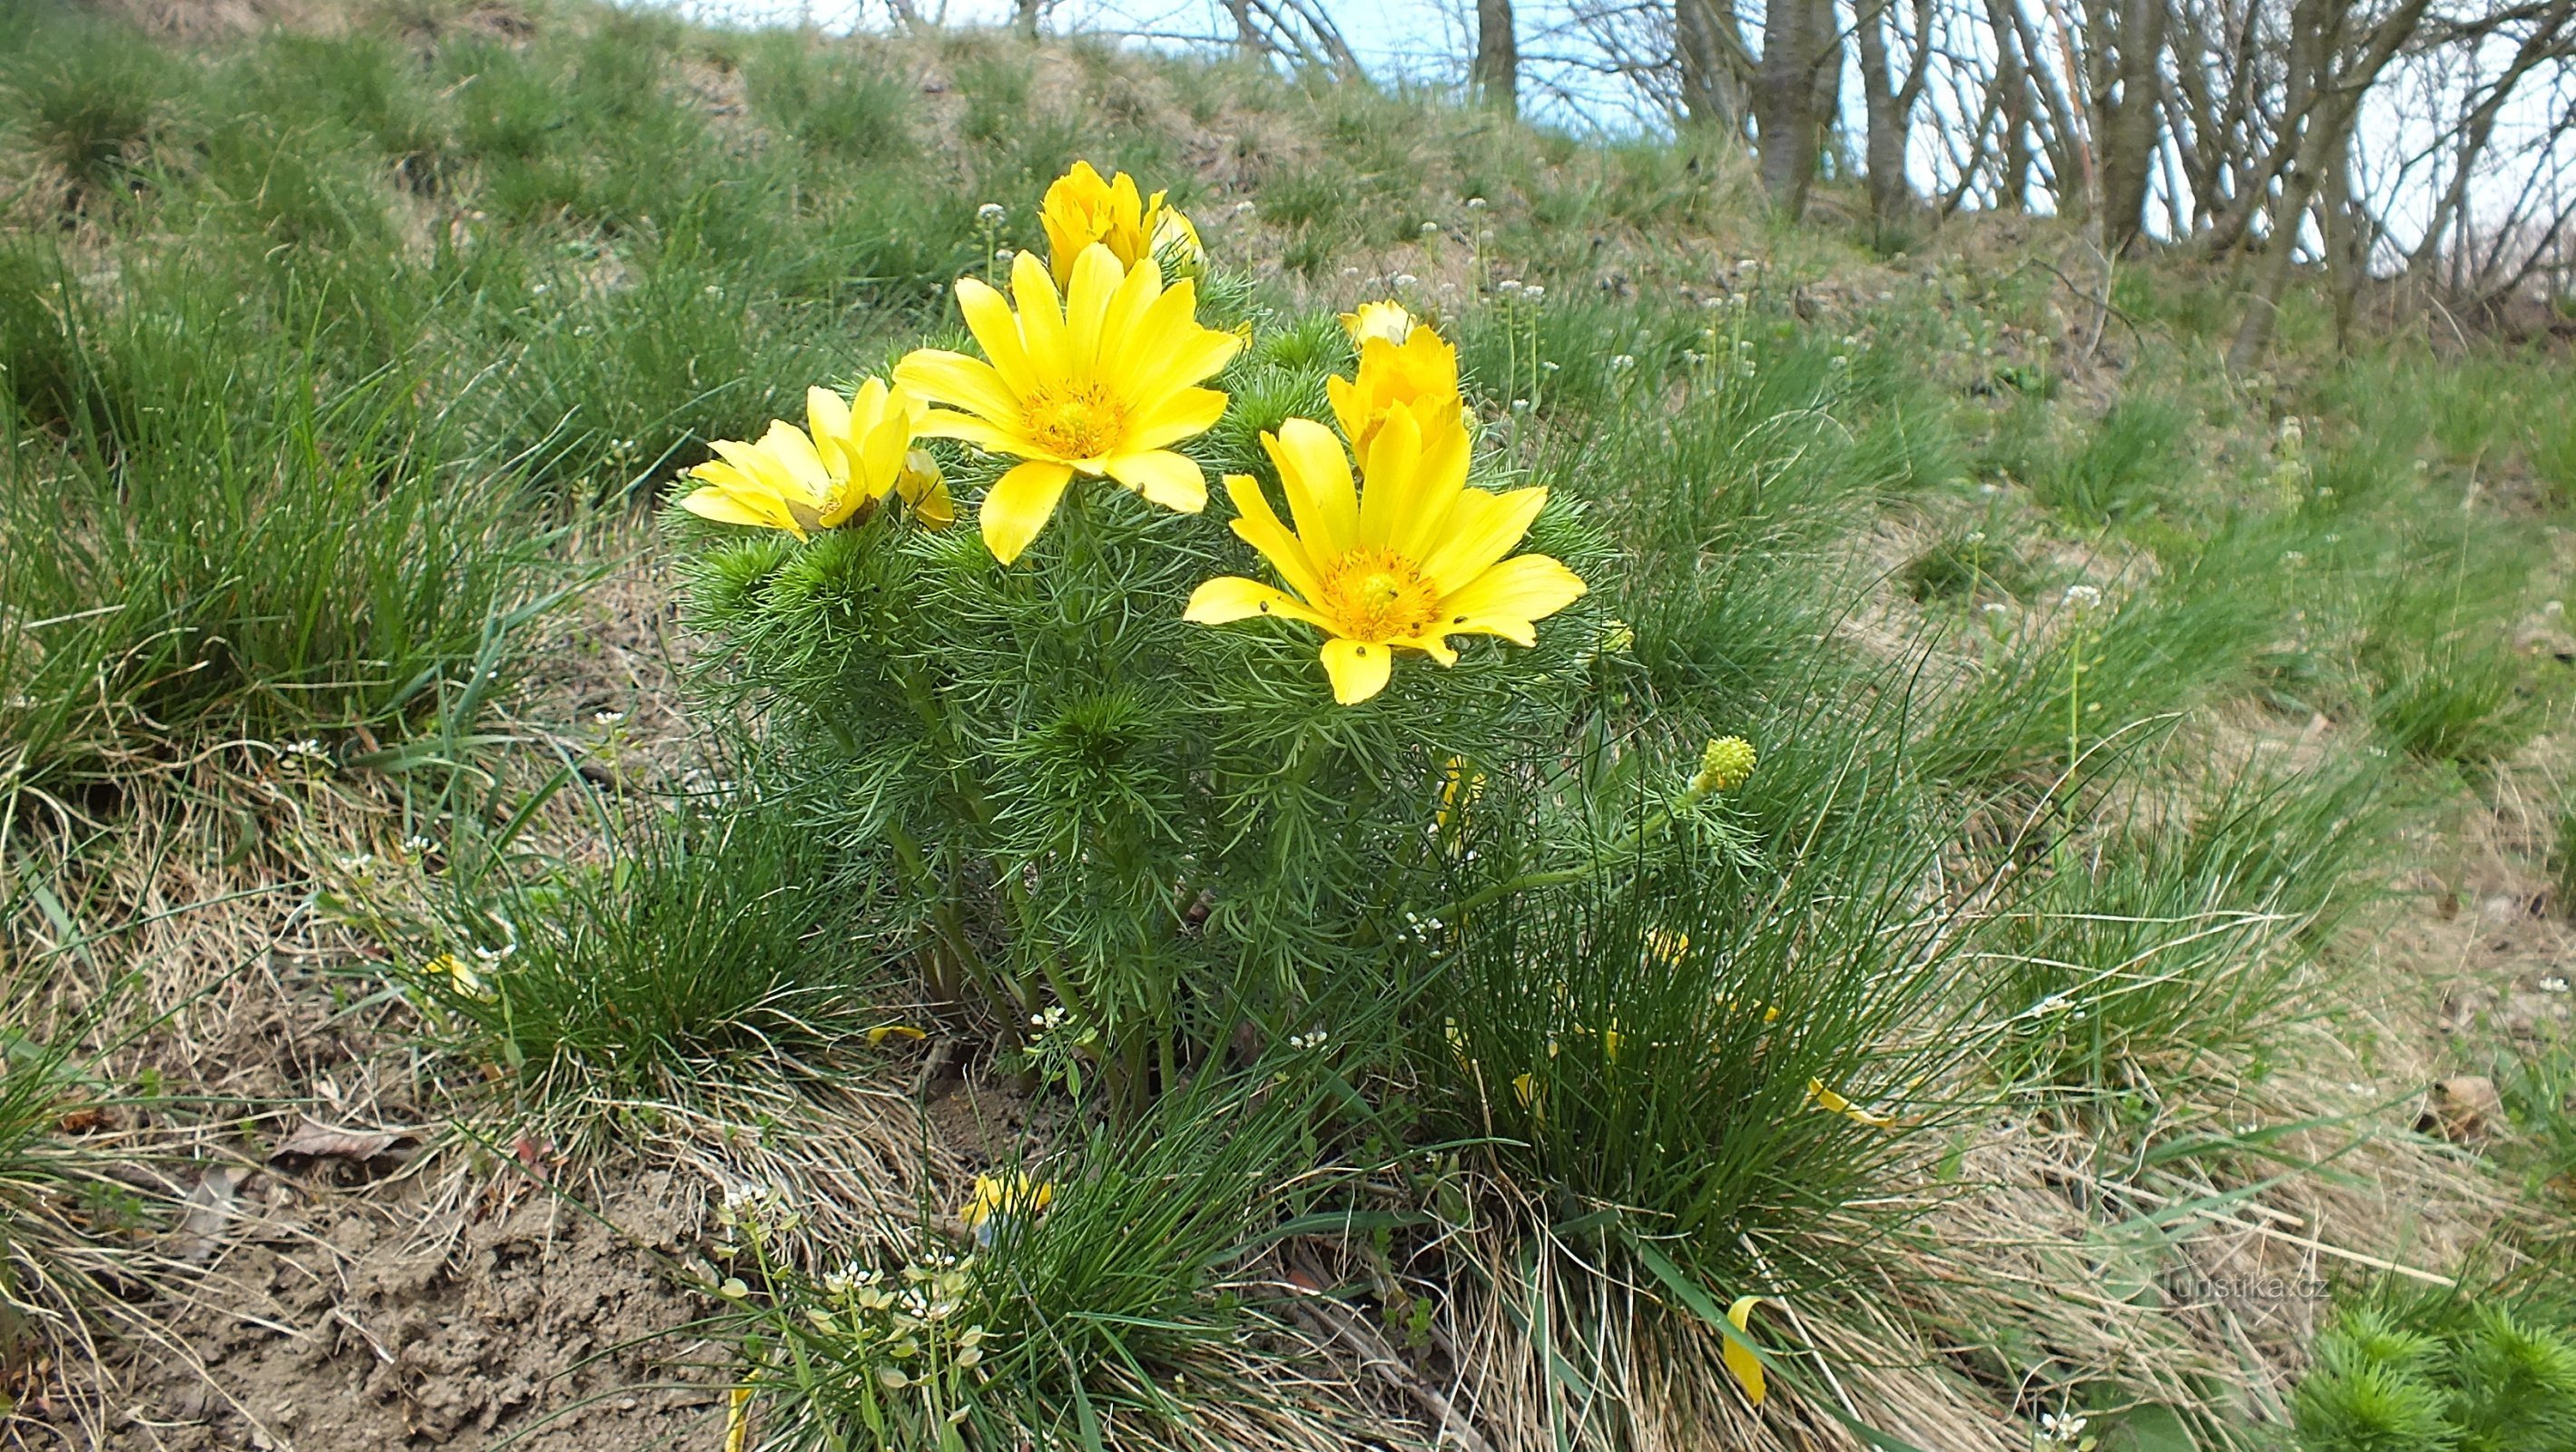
2554	983
714	291
1622	362
2082	597
1509	287
1406	279
1003	255
608	718
1520	405
991	214
417	845
1243	208
1534	292
1430	229
1976	536
1548	366
1475	204
537	290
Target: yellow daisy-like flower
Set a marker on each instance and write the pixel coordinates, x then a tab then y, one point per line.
1383	320
1418	376
1100	382
996	1196
858	451
1082	208
1411	560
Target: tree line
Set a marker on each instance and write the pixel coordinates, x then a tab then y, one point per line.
2427	142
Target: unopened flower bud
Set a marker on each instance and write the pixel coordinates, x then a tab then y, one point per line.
1724	766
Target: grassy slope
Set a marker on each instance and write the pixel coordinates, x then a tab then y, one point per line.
339	364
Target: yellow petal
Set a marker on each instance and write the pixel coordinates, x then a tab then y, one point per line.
1746	1367
1439	483
1386	320
1317	477
1829	1100
1041	317
1174	481
954	379
1358	669
1019	505
1097	277
882	1032
1183	415
827	418
940	423
1481	529
1387	496
1261	529
1229	598
988	317
1506	599
725	507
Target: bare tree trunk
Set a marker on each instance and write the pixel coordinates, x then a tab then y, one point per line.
1890	100
1247	35
2325	90
2012	88
1024	17
1715	66
1785	98
1497	71
2128	87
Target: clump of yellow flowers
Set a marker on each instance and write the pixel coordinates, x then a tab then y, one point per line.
1090	806
1093	368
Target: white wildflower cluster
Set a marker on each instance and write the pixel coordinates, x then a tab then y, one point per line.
754	1211
906	1331
2063	1433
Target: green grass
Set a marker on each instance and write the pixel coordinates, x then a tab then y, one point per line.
710	946
191	555
2157	950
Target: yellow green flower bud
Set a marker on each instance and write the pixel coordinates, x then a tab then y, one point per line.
1724	766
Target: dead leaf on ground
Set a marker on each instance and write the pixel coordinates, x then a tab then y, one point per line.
318	1140
210	1208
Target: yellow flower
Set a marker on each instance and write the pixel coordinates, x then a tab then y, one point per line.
1414	559
1387	321
1739	1359
1100	381
859	451
1176	244
1827	1099
922	486
1018	1195
467	982
1083	208
1417	377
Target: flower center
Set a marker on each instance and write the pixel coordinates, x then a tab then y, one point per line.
1376	594
1076	421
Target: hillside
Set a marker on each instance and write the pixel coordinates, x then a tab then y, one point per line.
1994	870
